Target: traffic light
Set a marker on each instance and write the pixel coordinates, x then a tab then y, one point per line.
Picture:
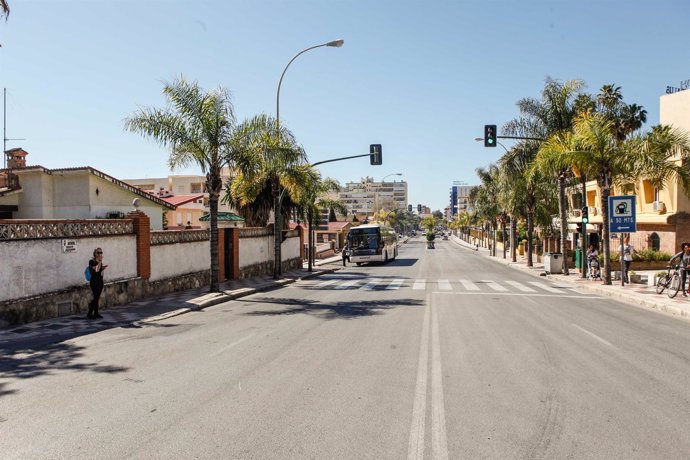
489	135
419	208
409	208
585	214
375	154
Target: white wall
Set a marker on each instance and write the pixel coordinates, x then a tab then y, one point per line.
255	250
32	267
169	260
290	248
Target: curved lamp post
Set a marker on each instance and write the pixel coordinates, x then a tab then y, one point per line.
376	193
277	268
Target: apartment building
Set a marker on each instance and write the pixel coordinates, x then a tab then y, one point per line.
366	198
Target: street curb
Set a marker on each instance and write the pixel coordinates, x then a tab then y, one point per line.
211	299
628	298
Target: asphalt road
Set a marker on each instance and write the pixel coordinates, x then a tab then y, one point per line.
438	354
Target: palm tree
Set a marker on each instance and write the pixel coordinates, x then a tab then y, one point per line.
268	164
4	9
486	198
314	196
531	190
552	114
595	149
197	127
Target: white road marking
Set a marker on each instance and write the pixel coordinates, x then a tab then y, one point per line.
520	286
545	287
348	284
371	284
419	284
415	446
495	286
591	334
444	285
233	344
395	284
469	285
518	294
439	444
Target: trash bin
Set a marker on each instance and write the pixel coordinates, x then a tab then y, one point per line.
578	258
553	262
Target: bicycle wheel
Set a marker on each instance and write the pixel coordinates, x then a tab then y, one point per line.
674	286
662	283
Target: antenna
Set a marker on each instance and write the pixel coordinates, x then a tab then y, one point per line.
4	128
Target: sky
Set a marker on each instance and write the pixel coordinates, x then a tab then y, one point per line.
421	78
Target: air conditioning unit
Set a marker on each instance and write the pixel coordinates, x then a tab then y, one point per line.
659	206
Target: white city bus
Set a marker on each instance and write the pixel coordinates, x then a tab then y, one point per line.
372	243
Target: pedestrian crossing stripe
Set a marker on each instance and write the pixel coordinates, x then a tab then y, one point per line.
444	285
504	286
495	286
520	286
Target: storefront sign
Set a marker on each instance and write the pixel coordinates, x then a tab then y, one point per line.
684	84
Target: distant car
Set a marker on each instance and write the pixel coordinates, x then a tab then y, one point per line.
445	237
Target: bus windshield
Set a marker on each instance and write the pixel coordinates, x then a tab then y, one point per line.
365	238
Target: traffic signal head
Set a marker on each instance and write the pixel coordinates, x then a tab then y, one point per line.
375	154
585	215
419	208
490	135
409	208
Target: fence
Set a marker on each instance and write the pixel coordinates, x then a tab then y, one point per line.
42	262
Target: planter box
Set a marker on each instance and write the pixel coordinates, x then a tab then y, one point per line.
650	265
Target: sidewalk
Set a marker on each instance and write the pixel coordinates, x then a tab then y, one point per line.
148	310
640	295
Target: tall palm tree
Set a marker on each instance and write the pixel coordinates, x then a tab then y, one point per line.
268	163
531	189
486	198
197	127
552	114
595	149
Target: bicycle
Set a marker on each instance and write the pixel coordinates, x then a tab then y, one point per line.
665	280
675	283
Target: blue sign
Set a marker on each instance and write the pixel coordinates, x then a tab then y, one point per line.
622	214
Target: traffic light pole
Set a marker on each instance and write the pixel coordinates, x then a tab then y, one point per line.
585	245
340	159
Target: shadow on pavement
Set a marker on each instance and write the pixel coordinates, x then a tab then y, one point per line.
28	363
338	310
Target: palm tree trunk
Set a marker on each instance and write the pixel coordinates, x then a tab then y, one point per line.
513	239
310	243
605	192
564	222
277	230
503	236
213	205
530	231
493	231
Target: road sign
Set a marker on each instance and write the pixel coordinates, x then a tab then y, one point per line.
622	214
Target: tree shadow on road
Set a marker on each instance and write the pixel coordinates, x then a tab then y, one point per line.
35	362
337	310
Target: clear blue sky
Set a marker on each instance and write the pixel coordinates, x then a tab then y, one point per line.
421	78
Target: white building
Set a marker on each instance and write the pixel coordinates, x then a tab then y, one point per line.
74	193
366	198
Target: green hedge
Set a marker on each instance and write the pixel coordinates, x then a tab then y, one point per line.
645	255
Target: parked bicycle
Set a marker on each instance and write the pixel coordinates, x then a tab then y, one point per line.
665	280
675	284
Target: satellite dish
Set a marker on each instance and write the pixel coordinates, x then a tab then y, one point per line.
135	203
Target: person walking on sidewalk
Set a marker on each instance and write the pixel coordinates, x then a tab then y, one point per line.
346	255
628	250
96	267
684	258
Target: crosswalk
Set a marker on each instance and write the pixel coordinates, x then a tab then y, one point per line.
446	285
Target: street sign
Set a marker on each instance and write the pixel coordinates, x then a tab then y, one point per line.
622	214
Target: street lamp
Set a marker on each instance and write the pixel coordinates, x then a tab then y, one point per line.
376	192
332	44
277	269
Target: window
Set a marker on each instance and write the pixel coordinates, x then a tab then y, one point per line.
655	241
